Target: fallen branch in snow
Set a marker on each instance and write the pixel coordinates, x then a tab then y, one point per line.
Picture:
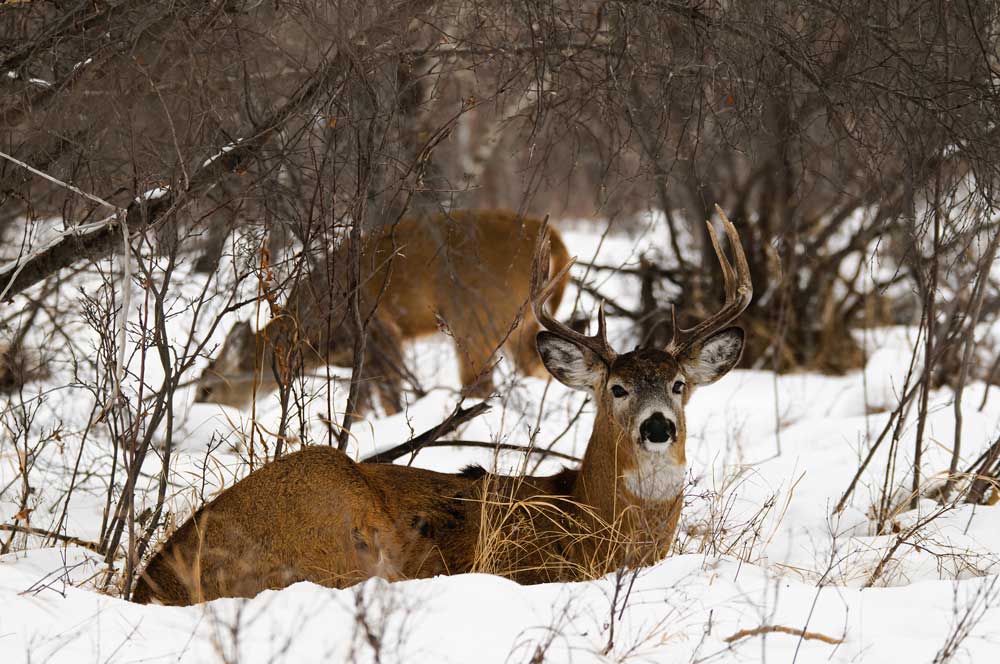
781	629
458	417
28	530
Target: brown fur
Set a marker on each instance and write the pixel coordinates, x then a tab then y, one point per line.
468	270
351	521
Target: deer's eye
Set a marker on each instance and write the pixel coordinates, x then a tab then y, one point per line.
619	391
678	387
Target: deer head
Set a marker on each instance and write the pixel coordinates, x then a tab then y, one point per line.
229	378
641	395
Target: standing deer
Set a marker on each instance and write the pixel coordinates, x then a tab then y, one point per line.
317	515
468	269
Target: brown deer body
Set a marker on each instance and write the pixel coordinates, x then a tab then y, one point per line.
317	515
469	270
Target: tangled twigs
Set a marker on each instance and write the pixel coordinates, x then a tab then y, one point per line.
985	475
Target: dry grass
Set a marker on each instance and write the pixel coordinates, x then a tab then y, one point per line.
555	538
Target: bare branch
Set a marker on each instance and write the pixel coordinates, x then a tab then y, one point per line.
457	418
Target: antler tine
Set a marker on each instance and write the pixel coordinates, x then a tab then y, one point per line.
541	290
742	267
736	283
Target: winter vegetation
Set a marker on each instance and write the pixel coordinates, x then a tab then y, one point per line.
294	365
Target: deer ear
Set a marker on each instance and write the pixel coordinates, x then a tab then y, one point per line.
569	363
715	357
236	346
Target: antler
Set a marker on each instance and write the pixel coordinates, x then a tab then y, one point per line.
739	291
541	290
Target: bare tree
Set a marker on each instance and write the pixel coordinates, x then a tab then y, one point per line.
247	140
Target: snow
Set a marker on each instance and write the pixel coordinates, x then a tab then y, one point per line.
769	457
225	149
152	194
40	82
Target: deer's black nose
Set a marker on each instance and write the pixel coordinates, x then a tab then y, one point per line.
658	429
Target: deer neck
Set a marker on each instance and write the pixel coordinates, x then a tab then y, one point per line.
637	493
600	479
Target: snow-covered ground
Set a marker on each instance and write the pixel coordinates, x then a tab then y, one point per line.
759	544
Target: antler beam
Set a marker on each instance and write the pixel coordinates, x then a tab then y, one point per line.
738	287
541	290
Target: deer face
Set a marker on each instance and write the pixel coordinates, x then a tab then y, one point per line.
229	379
644	392
640	399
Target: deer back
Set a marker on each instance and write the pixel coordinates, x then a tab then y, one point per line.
317	515
467	272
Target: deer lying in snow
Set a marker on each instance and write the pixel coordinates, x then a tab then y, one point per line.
467	269
317	515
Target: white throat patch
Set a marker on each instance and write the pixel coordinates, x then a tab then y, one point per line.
656	478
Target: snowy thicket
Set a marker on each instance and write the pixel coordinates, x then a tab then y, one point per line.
759	544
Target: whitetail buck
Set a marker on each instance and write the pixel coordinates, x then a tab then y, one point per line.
468	269
317	515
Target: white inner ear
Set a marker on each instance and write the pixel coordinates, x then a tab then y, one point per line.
568	363
718	355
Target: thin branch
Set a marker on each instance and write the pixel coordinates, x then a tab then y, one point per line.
613	307
38	532
57	181
457	418
508	447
